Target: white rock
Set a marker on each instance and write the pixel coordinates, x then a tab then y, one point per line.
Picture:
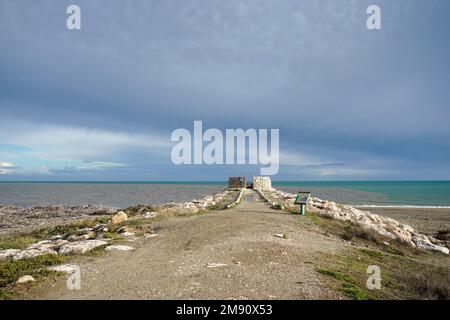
8	254
25	279
216	265
81	246
423	242
119	248
128	234
66	268
31	253
149	215
119	217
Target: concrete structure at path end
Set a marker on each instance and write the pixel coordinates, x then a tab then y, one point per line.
237	182
262	183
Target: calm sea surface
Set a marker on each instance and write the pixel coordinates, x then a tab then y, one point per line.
124	194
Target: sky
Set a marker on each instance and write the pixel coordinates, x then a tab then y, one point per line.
101	103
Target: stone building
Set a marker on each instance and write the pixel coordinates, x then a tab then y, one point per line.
237	182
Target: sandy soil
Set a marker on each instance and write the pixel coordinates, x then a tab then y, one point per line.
427	221
228	254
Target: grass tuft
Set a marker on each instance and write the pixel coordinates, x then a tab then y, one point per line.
13	270
356	231
19	242
349	285
372	253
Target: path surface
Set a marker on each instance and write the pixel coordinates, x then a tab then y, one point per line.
227	254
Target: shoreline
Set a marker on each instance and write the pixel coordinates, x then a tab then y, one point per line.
426	219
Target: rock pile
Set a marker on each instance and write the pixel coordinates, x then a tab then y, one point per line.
44	247
196	205
241	193
384	226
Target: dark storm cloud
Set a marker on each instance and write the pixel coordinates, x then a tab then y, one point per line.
374	102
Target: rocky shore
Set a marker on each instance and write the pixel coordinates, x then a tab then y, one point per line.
386	227
85	239
13	218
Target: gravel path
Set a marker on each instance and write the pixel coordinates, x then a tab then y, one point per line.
227	254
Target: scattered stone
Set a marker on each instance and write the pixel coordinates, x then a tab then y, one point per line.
119	248
66	268
149	215
216	265
279	235
128	234
81	246
25	279
119	217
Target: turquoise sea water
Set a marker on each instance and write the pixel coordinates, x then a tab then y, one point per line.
405	193
125	193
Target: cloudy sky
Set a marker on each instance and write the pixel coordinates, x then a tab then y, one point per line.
100	103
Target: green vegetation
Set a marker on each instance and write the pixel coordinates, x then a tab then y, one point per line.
314	218
356	231
336	275
13	270
111	235
348	284
406	272
372	253
355	292
16	242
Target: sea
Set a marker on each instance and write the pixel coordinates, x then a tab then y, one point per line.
432	194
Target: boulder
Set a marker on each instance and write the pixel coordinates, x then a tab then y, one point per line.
81	246
25	279
423	242
8	254
148	214
31	253
66	268
119	217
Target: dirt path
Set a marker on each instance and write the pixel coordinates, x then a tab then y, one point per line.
227	254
